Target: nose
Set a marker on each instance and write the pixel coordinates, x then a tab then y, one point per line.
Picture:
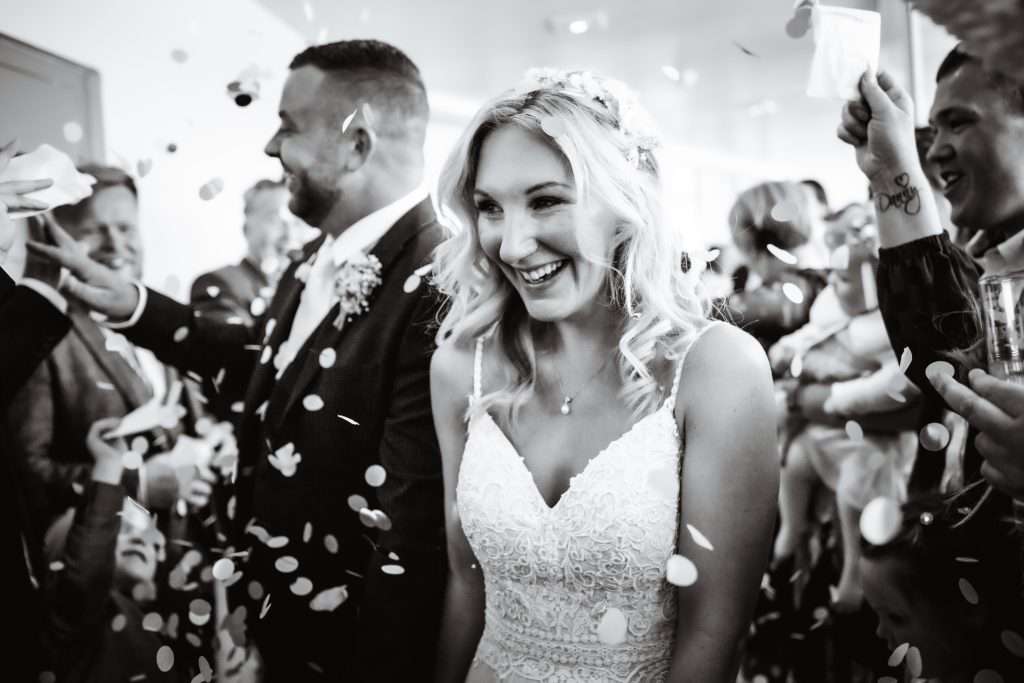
518	240
940	150
273	148
114	241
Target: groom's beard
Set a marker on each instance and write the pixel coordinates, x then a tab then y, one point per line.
312	202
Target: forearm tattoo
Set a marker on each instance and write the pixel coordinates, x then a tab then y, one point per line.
907	198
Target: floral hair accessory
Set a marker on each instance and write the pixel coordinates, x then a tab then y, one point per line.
630	118
354	284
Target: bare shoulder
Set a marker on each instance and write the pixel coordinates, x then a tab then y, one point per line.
726	364
451	372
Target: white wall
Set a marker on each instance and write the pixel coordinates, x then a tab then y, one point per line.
149	101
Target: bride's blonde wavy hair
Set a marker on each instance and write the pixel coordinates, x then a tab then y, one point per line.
610	153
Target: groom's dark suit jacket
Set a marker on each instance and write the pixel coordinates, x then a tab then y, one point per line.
387	628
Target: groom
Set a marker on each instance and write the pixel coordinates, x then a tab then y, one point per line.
339	478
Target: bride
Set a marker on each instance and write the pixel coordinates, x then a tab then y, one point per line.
609	455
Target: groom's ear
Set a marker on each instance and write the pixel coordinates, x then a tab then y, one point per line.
361	146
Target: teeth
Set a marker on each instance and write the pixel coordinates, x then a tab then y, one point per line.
538	273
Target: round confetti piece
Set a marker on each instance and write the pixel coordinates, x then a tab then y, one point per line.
612	628
393	569
393	556
699	538
118	623
180	56
381	520
180	334
265	356
47	677
887	679
1013	642
411	283
880	520
140	444
73	132
165	659
200	607
206	574
782	255
152	622
357	502
312	403
914	661
785	212
375	475
172	285
301	586
553	126
896	658
793	293
286	564
223	569
366	517
854	431
680	571
327	358
821	613
331	544
56	566
934	436
255	590
211	189
194	639
203	426
939	367
967	590
131	460
664	482
988	676
927	518
329	600
258	306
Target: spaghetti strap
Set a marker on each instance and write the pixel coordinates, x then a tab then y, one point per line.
682	359
478	368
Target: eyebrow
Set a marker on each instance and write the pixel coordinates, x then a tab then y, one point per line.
949	111
533	188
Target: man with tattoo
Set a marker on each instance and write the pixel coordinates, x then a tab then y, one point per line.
928	287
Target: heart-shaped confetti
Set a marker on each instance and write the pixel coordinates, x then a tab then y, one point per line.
143	167
880	521
611	630
680	571
793	293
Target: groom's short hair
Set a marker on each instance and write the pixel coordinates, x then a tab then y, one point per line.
376	68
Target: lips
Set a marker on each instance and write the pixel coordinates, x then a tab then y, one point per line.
542	273
951	180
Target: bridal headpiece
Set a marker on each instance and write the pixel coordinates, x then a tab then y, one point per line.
630	118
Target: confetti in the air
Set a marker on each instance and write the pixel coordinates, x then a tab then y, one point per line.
131	460
266	607
914	661
223	569
312	403
680	571
357	502
255	590
375	475
411	284
307	7
118	623
165	659
1013	642
258	306
56	566
896	658
211	189
301	586
393	569
939	367
906	358
988	676
349	420
307	532
381	520
612	628
553	126
329	600
785	211
286	564
746	51
671	73
664	482
73	132
180	56
285	460
880	520
331	544
934	436
782	255
968	591
854	431
793	293
366	517
152	622
344	128
265	356
699	538
327	358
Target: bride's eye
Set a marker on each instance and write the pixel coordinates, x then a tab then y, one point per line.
488	209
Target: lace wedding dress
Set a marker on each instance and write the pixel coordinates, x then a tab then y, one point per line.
553	574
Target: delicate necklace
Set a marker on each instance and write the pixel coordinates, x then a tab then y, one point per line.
565	409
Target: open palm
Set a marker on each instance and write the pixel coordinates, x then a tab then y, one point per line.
12	198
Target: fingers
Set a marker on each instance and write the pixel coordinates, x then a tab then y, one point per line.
859	110
103	426
1007	396
96	439
1010	485
896	94
7	153
14	187
849	138
853	124
969	405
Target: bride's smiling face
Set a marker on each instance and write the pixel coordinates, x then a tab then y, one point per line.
534	228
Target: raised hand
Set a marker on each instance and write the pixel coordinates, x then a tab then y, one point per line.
12	198
106	453
91	283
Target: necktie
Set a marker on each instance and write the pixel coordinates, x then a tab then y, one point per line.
315	302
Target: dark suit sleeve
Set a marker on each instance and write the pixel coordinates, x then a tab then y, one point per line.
30	327
188	341
403	613
75	595
225	305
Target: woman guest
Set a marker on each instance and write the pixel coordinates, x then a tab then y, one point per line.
575	368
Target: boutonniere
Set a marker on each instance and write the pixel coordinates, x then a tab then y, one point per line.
353	284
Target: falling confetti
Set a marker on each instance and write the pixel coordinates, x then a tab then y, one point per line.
56	566
880	520
393	569
1013	642
277	542
906	358
344	128
131	460
366	517
664	482
258	306
375	475
307	532
301	586
357	502
782	254
854	431
286	564
349	420
699	538
165	659
914	661
612	628
199	612
796	367
73	132
266	607
896	396
679	571
180	56
118	623
307	7
793	293
105	386
223	569
988	676
329	600
255	590
934	436
967	590
285	459
152	622
785	211
312	403
553	126
411	284
381	520
265	356
745	50
331	544
896	658
327	358
211	189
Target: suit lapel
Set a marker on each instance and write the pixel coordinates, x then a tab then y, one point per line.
306	368
122	376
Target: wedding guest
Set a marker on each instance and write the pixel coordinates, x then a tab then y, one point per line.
948	585
590	362
94	372
336	442
230	292
928	288
925	137
777	299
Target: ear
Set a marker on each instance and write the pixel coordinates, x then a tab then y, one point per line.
361	146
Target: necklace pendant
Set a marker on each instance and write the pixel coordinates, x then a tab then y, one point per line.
565	405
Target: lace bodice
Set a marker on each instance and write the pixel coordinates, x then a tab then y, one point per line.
552	574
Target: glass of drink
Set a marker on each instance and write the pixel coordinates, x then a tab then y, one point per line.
1003	302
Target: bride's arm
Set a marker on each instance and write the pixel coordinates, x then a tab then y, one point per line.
730	482
451	381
